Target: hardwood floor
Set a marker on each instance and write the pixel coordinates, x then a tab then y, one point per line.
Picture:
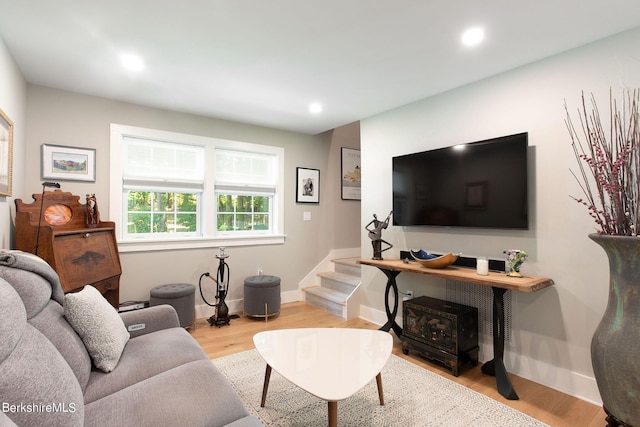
543	403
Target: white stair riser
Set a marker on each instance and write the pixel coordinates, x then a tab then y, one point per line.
351	269
327	305
342	287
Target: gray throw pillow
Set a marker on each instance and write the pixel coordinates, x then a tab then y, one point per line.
99	325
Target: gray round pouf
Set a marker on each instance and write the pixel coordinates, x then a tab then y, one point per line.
262	296
181	296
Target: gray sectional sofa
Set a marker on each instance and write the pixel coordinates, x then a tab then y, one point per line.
48	378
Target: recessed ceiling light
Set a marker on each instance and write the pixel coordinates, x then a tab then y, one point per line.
131	62
315	108
472	36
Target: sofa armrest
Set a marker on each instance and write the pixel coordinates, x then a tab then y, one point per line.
151	319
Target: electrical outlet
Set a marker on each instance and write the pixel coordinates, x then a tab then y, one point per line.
409	294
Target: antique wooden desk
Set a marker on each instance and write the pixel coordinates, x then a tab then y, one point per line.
499	282
55	228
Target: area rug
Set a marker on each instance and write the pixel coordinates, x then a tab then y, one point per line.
413	396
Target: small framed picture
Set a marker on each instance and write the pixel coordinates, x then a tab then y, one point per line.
351	187
68	163
6	154
307	185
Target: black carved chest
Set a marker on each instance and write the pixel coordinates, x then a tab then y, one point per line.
440	330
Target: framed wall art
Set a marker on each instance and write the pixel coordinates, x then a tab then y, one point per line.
6	154
307	185
68	163
351	182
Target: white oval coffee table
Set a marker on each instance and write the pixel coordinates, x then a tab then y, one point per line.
330	363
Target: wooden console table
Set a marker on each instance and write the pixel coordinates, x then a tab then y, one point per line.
499	282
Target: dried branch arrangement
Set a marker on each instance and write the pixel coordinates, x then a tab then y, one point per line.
609	164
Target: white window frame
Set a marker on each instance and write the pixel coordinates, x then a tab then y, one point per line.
209	237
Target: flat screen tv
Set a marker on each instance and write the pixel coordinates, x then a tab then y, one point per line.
479	184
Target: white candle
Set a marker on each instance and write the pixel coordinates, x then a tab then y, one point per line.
482	266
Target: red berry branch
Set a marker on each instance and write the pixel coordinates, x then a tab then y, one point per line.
609	165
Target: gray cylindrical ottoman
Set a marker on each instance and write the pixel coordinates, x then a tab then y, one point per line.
181	296
262	296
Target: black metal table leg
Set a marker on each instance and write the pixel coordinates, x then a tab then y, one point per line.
496	367
391	314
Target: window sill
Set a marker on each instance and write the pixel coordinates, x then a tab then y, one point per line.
193	243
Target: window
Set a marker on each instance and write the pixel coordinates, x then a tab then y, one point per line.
245	186
153	212
172	190
243	213
162	184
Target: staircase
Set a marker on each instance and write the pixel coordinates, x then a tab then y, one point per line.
338	291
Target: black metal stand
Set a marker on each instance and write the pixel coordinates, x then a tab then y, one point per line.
391	314
496	367
221	315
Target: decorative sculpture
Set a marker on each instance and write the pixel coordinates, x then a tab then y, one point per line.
93	215
375	234
515	258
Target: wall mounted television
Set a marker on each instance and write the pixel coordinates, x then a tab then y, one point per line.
479	184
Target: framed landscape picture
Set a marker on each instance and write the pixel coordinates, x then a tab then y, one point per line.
68	163
307	185
6	154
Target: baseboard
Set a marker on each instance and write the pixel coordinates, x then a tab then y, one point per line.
291	296
237	305
572	383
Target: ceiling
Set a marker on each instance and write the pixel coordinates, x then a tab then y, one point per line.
264	61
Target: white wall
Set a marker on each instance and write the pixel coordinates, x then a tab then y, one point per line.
12	102
552	329
64	118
